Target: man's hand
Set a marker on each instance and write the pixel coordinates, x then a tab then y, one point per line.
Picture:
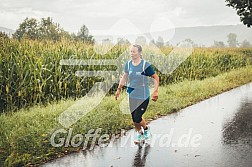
155	96
117	93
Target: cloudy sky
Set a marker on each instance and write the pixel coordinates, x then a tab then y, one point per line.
103	14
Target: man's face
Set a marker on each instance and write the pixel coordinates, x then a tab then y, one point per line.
134	53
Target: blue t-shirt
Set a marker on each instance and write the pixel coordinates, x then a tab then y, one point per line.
138	84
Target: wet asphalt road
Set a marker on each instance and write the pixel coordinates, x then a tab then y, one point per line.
214	132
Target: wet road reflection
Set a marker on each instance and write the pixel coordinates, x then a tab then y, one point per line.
140	157
214	132
239	129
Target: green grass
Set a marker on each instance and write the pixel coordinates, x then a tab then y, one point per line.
25	135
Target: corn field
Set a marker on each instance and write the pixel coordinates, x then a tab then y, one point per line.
30	71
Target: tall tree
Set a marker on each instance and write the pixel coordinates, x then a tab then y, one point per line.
152	42
49	30
45	29
219	44
123	41
28	29
189	40
232	41
244	10
140	40
84	36
160	42
246	44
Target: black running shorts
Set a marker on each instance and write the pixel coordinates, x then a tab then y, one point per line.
138	108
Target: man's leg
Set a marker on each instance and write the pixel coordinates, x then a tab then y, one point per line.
138	125
139	121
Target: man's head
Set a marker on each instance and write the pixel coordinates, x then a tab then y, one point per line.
135	51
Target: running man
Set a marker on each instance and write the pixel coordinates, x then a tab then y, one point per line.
135	72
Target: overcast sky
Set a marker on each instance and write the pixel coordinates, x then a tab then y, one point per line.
102	14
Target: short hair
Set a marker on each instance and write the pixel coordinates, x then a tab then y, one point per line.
139	48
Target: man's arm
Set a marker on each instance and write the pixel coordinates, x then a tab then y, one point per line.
121	84
123	80
156	83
